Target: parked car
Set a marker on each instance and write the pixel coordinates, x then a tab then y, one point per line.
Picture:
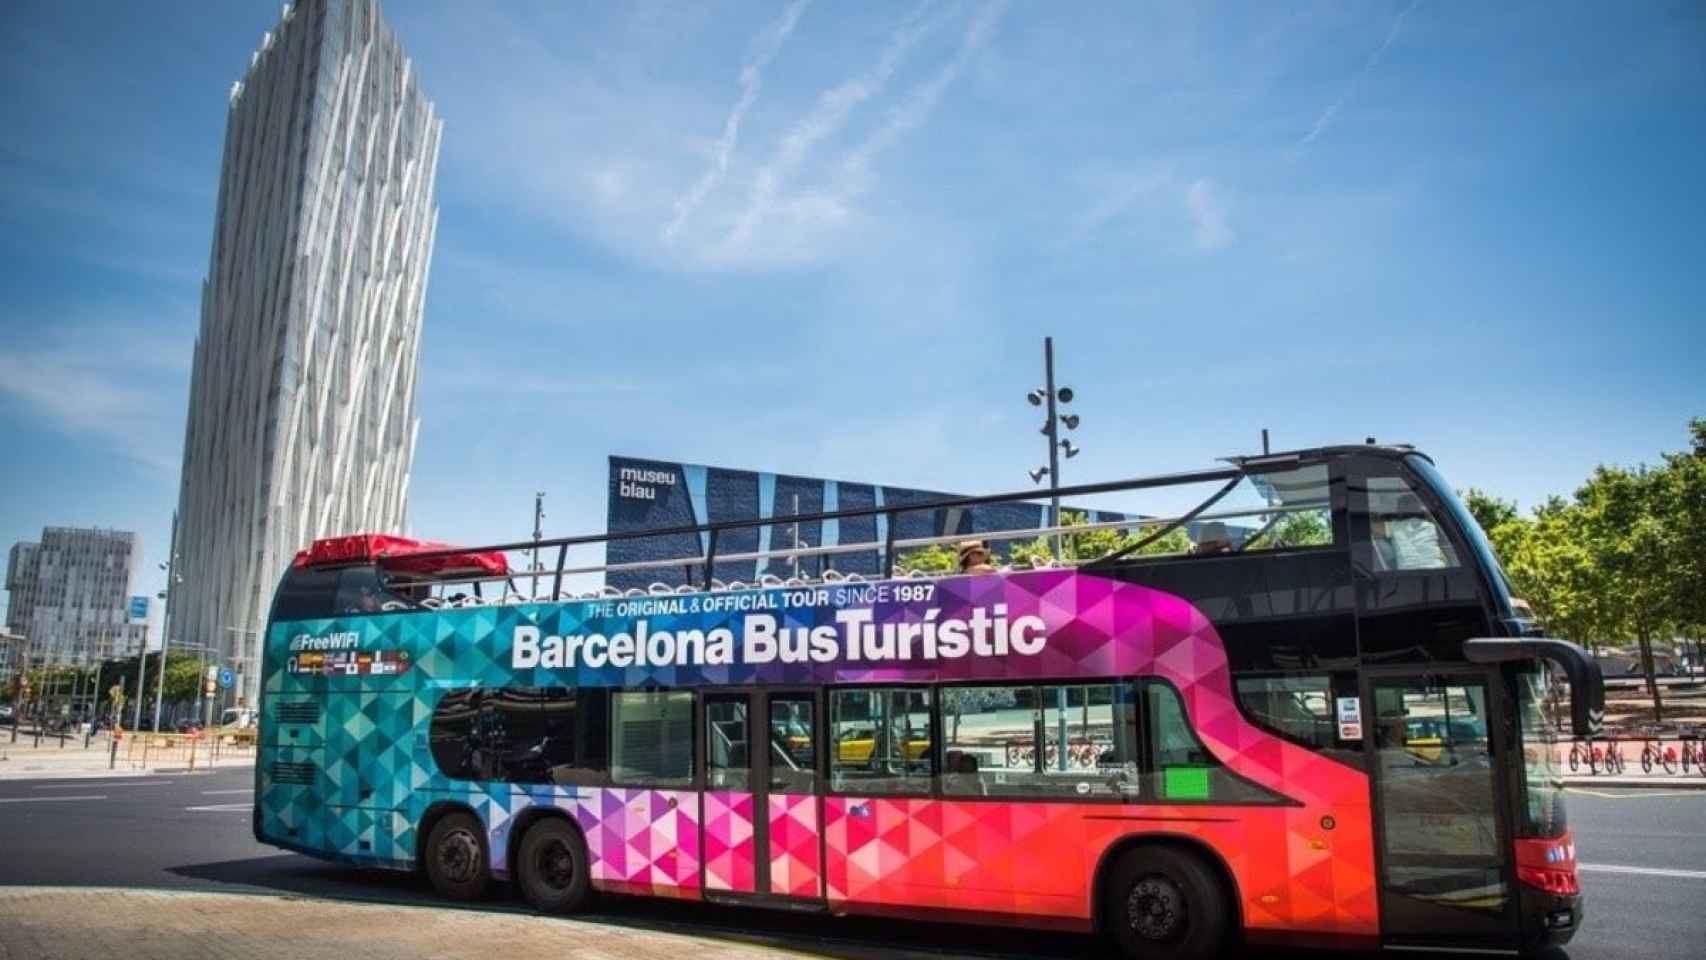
7	712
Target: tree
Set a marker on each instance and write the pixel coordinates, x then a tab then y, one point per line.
183	676
1308	528
1683	499
1499	520
936	558
1628	540
960	700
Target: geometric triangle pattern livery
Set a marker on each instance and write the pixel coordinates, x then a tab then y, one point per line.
351	781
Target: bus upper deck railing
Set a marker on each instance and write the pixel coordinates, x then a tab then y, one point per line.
699	568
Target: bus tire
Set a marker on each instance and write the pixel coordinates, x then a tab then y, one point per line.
457	861
551	867
1166	904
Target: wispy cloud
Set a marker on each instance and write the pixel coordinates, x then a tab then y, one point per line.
764	48
825	119
1208	215
1328	115
920	102
1117	196
1163	204
127	395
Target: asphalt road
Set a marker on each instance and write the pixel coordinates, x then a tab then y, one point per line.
1643	851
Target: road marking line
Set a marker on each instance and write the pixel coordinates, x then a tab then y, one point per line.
1644	871
49	799
221	808
221	793
121	783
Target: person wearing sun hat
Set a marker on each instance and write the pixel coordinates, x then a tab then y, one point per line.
974	557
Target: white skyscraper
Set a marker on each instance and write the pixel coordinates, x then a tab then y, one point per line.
302	401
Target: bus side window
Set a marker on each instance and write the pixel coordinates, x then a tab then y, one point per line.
1296	706
1181	768
880	740
793	745
451	733
576	735
652	738
1403	534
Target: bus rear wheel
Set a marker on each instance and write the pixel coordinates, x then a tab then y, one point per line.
551	867
1164	904
456	858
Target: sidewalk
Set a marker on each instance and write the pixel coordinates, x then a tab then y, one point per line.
25	761
47	923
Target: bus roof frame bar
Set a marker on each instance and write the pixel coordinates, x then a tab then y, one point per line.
1587	683
1130	549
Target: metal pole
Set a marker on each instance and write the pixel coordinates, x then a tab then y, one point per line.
94	703
538	534
58	677
141	678
1053	444
77	689
160	669
19	671
796	557
166	620
1060	727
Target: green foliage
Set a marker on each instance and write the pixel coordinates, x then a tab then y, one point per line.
1094	544
1623	559
936	558
1308	528
183	676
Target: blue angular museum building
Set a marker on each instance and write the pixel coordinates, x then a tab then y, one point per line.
655	494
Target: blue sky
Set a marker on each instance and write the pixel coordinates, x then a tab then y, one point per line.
828	238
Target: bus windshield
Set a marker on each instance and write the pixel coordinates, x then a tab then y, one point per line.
1472	531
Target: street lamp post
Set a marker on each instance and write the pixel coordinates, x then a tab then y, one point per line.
172	579
1050	397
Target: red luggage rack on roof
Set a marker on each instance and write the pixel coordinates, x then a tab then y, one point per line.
398	554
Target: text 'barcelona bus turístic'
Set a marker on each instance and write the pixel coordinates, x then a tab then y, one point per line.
1305	710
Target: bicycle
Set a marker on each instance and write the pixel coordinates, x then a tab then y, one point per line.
1693	753
1583	753
1657	753
1613	759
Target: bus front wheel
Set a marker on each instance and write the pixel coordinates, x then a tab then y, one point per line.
1165	904
551	867
456	861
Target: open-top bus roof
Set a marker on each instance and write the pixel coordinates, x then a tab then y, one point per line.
1239	467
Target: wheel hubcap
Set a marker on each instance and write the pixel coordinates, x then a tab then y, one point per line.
556	865
459	856
1155	909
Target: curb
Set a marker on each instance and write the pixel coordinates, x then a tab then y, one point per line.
1656	783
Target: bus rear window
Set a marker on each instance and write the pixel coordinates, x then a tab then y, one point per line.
316	594
306	595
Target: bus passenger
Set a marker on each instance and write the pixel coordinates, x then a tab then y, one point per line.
1407	539
974	557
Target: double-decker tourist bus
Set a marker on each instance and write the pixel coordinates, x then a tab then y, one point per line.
1304	710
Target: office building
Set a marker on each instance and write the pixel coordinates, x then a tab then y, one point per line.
69	596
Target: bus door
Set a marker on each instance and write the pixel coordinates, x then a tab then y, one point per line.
759	823
1441	824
